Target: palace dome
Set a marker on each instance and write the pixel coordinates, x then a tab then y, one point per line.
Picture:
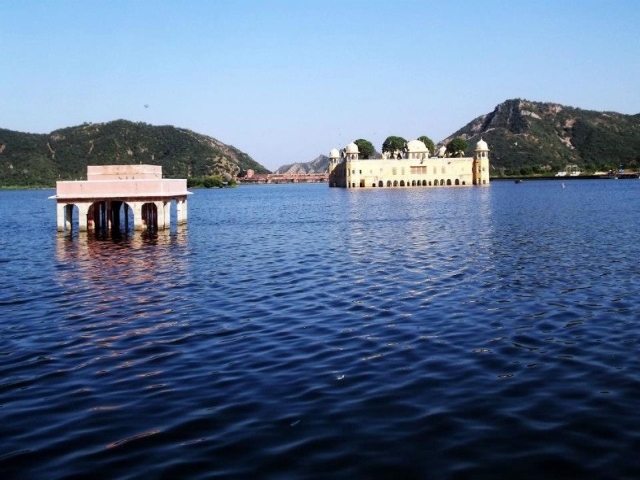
482	146
334	153
352	148
416	146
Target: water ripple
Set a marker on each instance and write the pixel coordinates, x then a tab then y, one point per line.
299	331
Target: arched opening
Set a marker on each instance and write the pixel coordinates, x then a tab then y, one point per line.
388	183
149	217
373	184
402	183
121	217
395	183
413	183
449	181
97	217
424	183
71	218
457	182
380	184
441	182
463	182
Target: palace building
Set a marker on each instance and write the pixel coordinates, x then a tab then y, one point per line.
411	167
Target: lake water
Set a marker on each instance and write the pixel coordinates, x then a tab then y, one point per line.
298	331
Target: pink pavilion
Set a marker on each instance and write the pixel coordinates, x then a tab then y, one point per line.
105	197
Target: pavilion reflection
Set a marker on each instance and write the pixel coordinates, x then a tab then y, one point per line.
107	264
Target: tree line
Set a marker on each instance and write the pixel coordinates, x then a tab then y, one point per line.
394	143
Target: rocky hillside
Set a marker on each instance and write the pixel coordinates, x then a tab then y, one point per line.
318	165
534	137
40	159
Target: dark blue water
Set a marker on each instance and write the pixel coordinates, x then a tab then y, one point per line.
298	331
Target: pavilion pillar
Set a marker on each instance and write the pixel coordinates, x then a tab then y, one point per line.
83	214
159	215
60	216
68	217
182	211
137	215
166	214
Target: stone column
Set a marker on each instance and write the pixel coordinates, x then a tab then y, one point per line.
166	214
60	216
179	212
83	211
68	217
137	215
159	215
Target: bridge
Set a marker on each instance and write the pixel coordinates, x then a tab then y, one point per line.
285	178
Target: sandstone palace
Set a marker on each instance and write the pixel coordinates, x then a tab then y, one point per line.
411	167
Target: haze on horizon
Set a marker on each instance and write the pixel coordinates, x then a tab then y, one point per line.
286	81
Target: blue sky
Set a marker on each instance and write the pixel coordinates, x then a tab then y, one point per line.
286	81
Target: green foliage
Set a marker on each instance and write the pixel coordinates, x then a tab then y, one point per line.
211	181
546	137
393	143
457	145
31	159
428	142
366	149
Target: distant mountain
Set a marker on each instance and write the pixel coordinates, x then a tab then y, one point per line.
28	159
534	137
318	165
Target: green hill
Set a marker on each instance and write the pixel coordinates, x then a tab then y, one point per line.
28	159
534	137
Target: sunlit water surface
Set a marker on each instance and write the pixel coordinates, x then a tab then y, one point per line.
298	331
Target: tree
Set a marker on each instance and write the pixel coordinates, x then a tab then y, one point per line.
391	144
428	142
366	148
456	145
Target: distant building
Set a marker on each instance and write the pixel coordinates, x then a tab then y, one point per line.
111	192
411	167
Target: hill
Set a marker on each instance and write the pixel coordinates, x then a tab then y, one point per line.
318	165
535	138
28	159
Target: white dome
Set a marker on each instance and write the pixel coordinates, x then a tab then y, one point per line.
482	146
352	148
416	146
334	153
